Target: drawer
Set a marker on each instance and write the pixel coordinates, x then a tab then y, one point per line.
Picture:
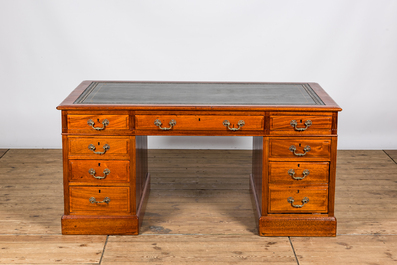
99	200
99	147
298	172
99	172
300	148
199	122
300	124
298	199
96	123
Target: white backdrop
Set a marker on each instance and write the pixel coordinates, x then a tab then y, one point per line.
348	46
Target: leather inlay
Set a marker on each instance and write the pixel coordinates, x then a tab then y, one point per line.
169	93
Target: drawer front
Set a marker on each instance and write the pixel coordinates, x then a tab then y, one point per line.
99	172
298	172
99	200
99	147
297	199
199	122
300	149
98	123
299	124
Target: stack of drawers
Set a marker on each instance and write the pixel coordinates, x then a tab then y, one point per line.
298	189
100	175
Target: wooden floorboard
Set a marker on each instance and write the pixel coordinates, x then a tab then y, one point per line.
198	249
359	250
199	212
50	249
366	188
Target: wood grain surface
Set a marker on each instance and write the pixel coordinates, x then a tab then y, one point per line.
279	172
118	147
199	122
320	149
98	173
280	123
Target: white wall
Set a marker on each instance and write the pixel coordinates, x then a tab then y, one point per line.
348	46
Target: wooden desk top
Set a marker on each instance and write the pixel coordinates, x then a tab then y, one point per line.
198	96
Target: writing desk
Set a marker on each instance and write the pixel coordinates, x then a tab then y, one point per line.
105	125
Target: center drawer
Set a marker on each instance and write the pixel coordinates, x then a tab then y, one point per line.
199	122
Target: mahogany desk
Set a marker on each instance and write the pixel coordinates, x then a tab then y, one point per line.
104	134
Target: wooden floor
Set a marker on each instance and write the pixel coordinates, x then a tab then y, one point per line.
199	212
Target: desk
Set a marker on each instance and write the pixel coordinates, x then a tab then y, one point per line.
105	125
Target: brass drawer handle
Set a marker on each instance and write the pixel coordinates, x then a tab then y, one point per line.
105	123
171	123
240	124
106	200
304	201
105	148
293	123
292	148
305	172
105	173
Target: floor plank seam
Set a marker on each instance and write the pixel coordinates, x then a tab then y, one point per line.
4	153
293	250
104	248
389	156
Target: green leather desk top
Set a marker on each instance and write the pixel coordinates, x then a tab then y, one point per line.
197	93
